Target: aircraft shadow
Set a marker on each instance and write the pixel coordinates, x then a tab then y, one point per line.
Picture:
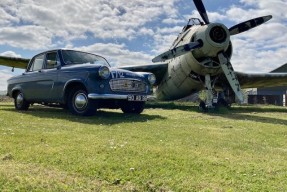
101	117
185	106
236	113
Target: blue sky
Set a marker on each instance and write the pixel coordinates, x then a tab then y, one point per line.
133	32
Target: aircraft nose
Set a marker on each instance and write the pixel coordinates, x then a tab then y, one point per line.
218	34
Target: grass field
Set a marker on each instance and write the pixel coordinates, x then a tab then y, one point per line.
170	147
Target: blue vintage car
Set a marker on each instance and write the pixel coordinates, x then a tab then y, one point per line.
80	81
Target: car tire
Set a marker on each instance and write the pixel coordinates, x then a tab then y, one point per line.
20	103
133	107
79	104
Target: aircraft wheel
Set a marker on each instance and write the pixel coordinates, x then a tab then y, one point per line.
202	107
222	103
20	102
79	104
133	107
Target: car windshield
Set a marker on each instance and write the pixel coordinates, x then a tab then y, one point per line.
77	57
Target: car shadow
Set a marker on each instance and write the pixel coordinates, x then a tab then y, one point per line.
103	117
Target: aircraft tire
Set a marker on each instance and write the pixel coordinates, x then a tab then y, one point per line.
202	107
223	103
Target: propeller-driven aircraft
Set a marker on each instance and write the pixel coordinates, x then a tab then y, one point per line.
199	59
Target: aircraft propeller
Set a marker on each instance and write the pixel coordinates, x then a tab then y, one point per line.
177	51
236	29
202	11
245	26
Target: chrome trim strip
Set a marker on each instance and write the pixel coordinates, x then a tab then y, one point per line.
114	96
106	96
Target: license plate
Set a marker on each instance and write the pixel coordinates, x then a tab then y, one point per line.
137	98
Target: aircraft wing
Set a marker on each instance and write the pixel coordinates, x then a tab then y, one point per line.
261	80
14	62
158	70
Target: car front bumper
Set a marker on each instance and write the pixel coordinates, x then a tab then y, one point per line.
115	96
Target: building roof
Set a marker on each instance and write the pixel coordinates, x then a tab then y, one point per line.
280	69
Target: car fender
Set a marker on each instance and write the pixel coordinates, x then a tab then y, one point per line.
15	89
68	83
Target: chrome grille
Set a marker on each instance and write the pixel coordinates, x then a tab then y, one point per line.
127	85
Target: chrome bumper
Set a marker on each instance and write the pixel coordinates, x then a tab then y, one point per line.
112	96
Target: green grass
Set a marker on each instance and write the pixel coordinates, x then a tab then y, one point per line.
170	147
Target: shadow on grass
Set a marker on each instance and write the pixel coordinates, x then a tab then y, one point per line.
251	113
101	117
248	113
184	106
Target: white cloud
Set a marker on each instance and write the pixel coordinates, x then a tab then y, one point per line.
146	31
172	21
10	54
117	55
72	19
26	37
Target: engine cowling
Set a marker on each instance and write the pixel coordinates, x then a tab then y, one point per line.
215	38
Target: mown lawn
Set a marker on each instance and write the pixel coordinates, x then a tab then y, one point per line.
170	147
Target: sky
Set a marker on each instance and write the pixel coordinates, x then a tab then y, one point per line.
129	32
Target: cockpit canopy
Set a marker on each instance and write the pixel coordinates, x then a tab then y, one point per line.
191	22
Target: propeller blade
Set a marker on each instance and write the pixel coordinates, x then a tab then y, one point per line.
177	51
245	26
201	9
230	76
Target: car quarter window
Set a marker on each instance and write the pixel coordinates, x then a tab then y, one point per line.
52	60
37	63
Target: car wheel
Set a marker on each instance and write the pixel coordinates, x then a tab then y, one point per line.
133	107
20	103
79	103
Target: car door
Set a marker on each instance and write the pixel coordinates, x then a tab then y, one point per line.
50	73
40	79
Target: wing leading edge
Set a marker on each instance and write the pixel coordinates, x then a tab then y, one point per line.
158	70
261	80
14	62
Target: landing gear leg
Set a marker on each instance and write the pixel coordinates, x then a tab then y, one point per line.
210	97
209	92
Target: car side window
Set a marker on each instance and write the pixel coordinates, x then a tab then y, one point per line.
37	63
52	60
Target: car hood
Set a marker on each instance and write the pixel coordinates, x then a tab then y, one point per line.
121	73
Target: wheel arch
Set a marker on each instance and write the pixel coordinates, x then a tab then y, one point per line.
15	91
71	84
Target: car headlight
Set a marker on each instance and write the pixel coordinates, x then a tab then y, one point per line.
104	72
152	79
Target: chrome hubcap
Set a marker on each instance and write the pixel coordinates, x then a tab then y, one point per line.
19	99
81	101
